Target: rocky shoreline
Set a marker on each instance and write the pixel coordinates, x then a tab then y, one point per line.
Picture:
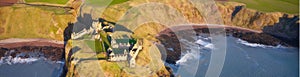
51	50
168	38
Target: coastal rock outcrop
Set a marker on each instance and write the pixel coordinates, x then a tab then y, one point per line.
286	29
281	25
169	39
49	52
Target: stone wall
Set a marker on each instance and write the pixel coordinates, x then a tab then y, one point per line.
119	57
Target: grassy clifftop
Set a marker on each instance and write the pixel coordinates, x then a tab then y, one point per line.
37	21
49	1
287	6
22	21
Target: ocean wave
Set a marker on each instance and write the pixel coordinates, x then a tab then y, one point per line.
23	60
210	46
60	62
205	44
257	45
205	38
185	58
194	51
192	54
10	60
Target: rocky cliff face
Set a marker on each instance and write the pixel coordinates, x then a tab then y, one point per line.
237	14
281	25
286	29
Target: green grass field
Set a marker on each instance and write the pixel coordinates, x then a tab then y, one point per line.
287	6
91	44
103	2
49	1
94	45
33	22
117	1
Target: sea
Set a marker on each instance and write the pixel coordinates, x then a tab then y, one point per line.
30	67
243	59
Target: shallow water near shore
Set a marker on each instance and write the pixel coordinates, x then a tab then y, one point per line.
39	68
244	59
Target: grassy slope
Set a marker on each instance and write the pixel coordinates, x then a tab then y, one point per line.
49	1
95	45
112	67
117	1
20	21
102	2
91	44
287	6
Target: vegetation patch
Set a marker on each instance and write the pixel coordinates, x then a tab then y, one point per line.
49	1
55	10
117	2
1	30
112	69
105	2
23	21
287	6
91	44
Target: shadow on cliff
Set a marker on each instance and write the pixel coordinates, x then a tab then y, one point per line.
287	30
68	60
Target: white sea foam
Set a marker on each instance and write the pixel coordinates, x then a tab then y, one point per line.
201	42
257	45
10	60
185	58
18	60
193	54
171	49
205	38
1	60
205	44
210	46
23	60
190	57
60	62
